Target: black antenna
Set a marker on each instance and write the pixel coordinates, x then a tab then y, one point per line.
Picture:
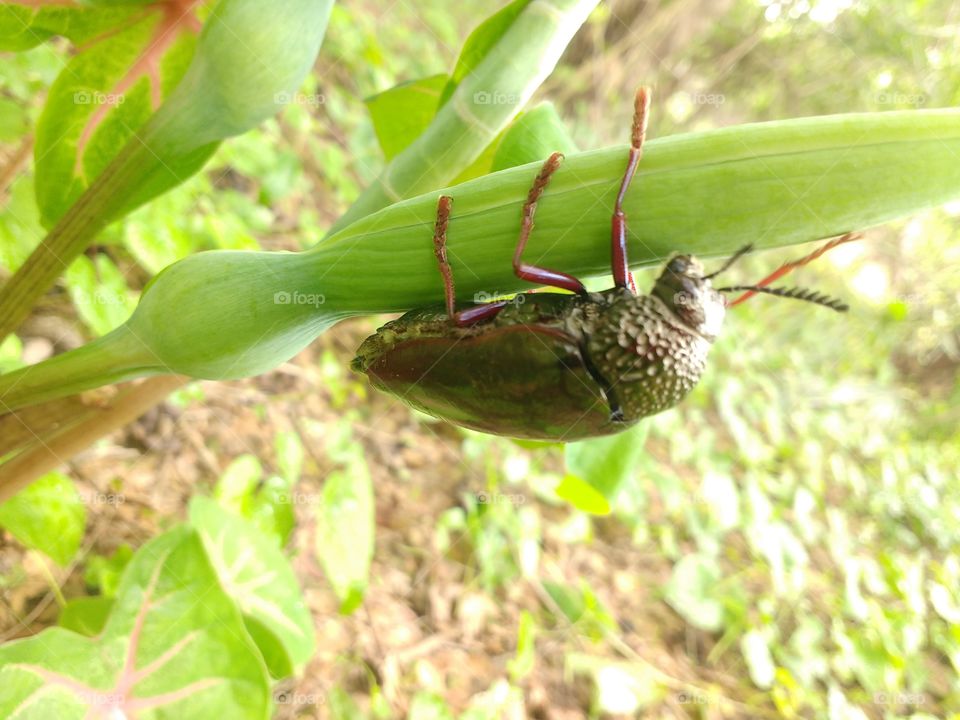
804	294
731	260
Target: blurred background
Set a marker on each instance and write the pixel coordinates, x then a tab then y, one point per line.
788	544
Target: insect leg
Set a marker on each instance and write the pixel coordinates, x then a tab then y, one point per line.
440	250
535	273
469	316
622	277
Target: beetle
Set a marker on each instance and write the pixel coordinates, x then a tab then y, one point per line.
562	366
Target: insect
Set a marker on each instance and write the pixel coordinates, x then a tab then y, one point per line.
562	366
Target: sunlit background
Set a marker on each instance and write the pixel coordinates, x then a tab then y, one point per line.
788	544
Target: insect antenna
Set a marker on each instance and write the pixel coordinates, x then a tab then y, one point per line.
793	265
796	293
730	261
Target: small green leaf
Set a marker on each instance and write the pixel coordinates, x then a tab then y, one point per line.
236	486
606	463
256	574
48	516
86	615
692	592
289	455
480	42
13	120
20	228
756	652
583	496
427	706
24	26
99	292
404	111
522	665
568	599
105	573
345	532
534	135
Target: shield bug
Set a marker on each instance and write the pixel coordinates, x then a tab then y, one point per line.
558	366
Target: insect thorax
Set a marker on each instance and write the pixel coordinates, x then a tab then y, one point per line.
649	357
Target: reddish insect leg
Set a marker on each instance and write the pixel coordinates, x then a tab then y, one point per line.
469	316
535	273
794	264
622	276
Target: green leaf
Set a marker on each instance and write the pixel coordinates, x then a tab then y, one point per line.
237	485
522	665
273	508
480	43
256	574
533	136
404	111
99	292
582	495
11	351
345	532
20	228
86	615
502	64
692	592
173	646
289	455
24	26
105	573
701	193
428	706
48	515
102	97
756	652
606	463
13	120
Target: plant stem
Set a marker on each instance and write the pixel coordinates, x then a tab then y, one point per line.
70	236
46	456
115	357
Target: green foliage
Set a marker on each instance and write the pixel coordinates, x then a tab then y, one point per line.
533	136
207	667
404	111
598	468
255	573
801	504
48	516
103	95
345	527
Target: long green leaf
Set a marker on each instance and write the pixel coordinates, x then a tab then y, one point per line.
230	314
